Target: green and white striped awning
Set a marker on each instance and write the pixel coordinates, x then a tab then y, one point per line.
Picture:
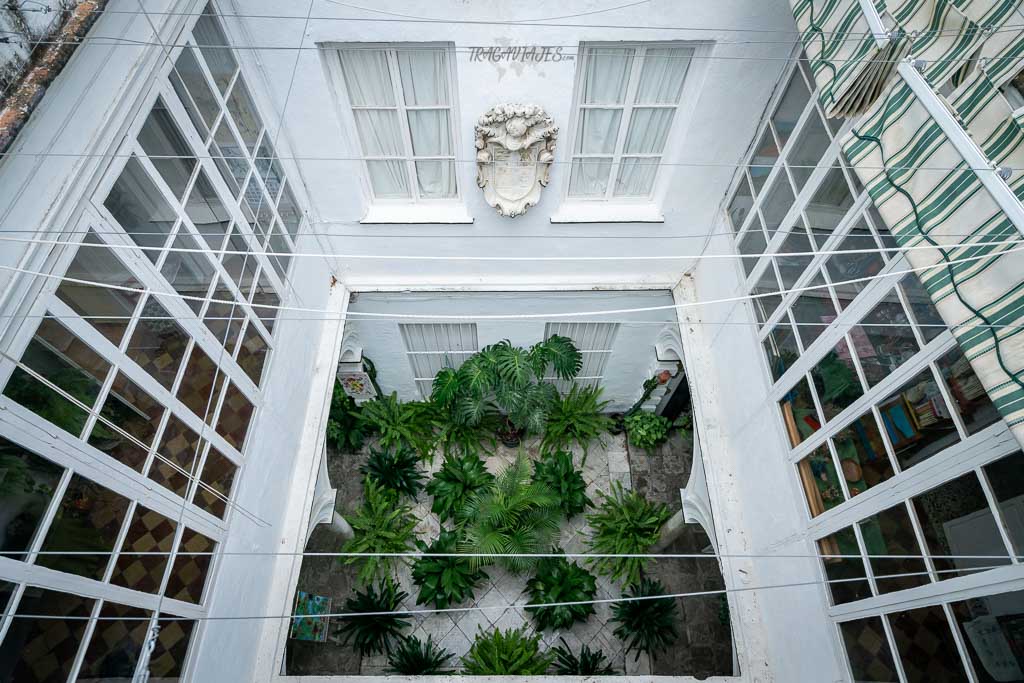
917	176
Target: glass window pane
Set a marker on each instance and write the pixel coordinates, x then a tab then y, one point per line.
777	204
799	414
268	167
835	380
792	267
781	349
884	339
289	211
648	130
435	180
764	158
598	131
140	209
168	659
740	205
257	209
867	650
819	481
956	520
918	421
636	176
843	565
388	179
200	386
224	320
264	301
791	106
149	532
44	649
88	518
188	575
188	272
158	343
752	243
131	410
890	533
854	266
926	646
235	415
253	354
219	475
115	644
862	455
424	74
663	74
969	396
219	60
606	75
589	177
161	137
231	160
813	311
188	80
238	260
829	204
178	453
929	322
207	213
95	263
243	114
25	492
808	150
1006	477
766	290
888	241
367	77
991	630
379	132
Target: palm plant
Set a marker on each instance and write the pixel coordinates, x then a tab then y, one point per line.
394	470
415	657
509	653
381	525
556	470
646	624
445	581
558	580
625	523
409	424
374	634
576	418
588	663
458	479
512	516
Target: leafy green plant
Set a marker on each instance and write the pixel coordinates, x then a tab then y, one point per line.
646	430
458	479
509	653
559	580
415	657
381	525
445	581
576	418
374	634
395	470
513	515
588	663
400	424
345	428
647	625
557	472
625	523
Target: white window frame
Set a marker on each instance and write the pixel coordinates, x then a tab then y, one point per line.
585	336
441	353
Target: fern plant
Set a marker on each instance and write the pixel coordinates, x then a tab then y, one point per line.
445	581
415	657
646	430
394	470
646	625
557	472
410	424
509	653
513	515
588	663
625	523
377	633
458	479
345	428
381	525
576	418
558	580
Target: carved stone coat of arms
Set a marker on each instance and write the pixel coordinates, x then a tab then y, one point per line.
515	145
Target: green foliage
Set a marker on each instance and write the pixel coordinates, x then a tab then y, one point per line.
414	657
646	625
445	581
394	470
400	424
513	515
576	418
646	430
374	634
588	663
512	653
556	471
345	429
625	523
458	479
558	580
381	525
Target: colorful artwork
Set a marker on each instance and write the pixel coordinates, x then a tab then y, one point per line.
305	624
357	384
